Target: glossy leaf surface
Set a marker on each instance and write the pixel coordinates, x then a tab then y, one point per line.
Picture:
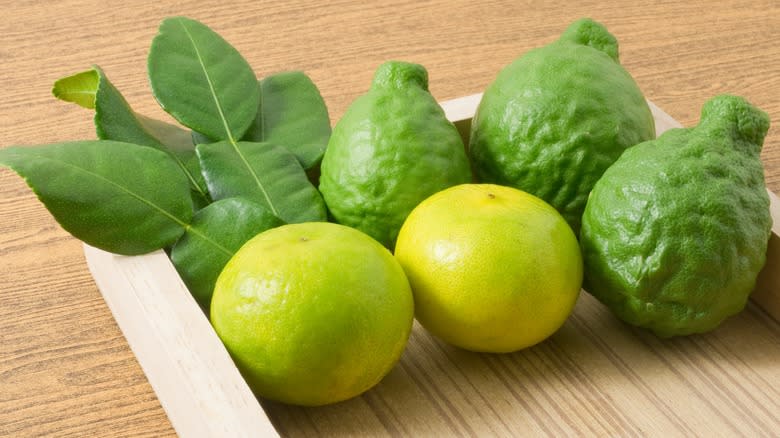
265	173
120	197
201	80
215	234
292	114
116	120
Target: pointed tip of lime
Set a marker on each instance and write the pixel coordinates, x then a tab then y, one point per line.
399	74
734	113
589	32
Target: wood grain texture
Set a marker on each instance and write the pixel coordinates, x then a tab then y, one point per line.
191	372
594	377
198	385
64	366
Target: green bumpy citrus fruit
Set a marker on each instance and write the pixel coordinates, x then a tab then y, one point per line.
676	231
393	148
556	118
313	313
492	268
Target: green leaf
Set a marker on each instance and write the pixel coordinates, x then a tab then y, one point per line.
198	138
116	120
172	137
292	114
79	88
215	234
178	143
120	197
265	173
201	80
200	197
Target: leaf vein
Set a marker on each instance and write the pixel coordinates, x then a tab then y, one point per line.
225	123
121	188
90	92
256	178
209	82
203	236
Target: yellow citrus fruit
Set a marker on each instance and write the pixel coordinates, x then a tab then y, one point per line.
313	313
492	268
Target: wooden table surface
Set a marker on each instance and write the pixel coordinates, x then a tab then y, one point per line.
65	368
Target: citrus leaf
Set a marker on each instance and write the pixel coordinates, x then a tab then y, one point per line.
198	138
173	138
116	120
120	197
200	197
292	114
265	173
79	88
178	142
201	80
215	234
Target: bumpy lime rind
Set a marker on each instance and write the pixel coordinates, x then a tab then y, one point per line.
675	233
396	74
556	118
587	32
392	149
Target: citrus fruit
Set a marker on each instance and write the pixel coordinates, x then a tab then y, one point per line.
313	313
676	231
392	148
492	268
227	224
557	117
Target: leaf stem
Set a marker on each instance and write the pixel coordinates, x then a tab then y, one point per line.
187	172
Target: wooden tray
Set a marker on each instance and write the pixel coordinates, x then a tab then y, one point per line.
595	376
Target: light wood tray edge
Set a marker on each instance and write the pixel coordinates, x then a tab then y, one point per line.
196	381
189	369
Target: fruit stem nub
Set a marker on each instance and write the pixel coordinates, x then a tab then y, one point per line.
736	117
590	33
399	74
